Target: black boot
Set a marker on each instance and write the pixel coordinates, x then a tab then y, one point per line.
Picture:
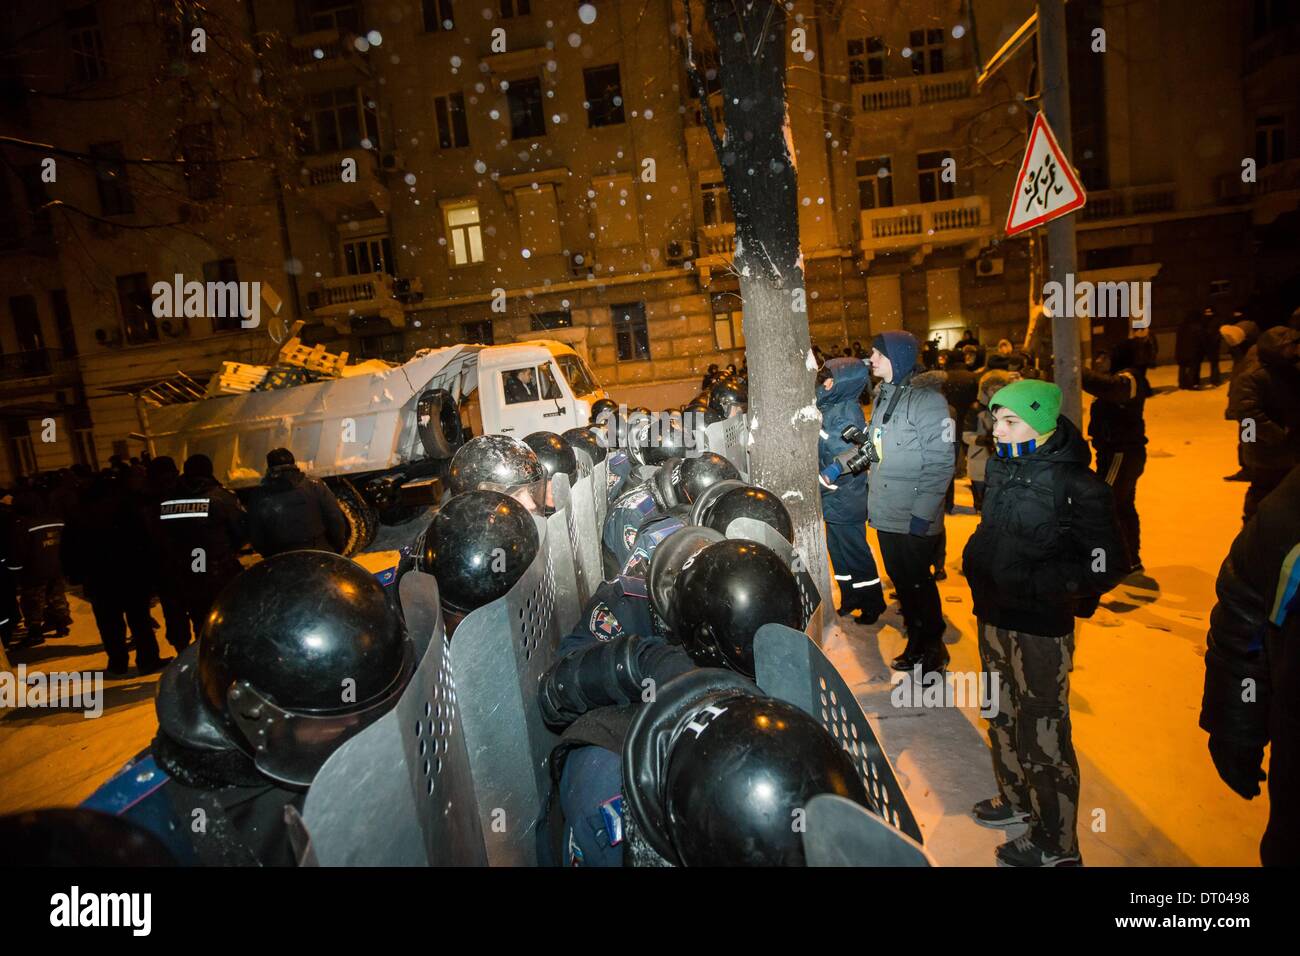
934	658
911	656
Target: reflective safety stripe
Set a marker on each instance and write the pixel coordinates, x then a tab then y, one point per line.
867	584
1113	472
843	577
184	508
39	527
826	484
823	435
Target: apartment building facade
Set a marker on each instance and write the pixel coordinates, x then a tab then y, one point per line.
411	173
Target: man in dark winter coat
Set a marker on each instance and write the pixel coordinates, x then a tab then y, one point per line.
1187	351
202	529
1117	429
1269	405
292	512
1240	338
844	495
160	485
1252	668
1211	346
912	436
105	549
34	559
1047	547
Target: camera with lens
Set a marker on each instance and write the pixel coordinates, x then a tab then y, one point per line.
865	456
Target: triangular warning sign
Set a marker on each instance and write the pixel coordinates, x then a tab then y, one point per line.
1046	187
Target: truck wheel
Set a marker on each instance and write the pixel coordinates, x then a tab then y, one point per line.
363	523
438	422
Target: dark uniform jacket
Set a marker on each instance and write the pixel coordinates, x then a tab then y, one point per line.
200	514
34	555
105	545
847	502
1255	636
1116	421
1033	564
1269	396
291	512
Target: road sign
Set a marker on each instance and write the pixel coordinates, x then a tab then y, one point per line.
1046	187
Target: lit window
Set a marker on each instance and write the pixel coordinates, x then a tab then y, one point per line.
464	233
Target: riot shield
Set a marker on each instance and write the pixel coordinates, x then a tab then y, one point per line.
556	540
498	655
730	439
751	529
399	793
789	665
584	534
600	495
839	832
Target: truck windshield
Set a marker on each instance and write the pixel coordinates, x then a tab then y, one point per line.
575	370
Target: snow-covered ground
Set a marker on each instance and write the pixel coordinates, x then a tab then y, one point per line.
1150	795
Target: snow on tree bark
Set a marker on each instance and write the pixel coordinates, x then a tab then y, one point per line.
758	168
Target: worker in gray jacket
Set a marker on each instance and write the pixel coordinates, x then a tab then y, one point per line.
913	438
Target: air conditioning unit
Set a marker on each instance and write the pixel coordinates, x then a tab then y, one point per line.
989	267
580	263
112	338
679	250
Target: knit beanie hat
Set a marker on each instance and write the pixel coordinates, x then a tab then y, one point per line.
900	348
1035	401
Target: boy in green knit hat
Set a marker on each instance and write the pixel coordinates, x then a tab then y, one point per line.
1047	547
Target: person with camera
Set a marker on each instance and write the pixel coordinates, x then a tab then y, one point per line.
1047	547
843	482
911	436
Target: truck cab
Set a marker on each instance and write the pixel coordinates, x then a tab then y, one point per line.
533	386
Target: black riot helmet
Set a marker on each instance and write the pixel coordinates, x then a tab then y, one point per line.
654	440
749	501
724	594
554	453
666	564
298	654
498	463
602	409
697	474
727	397
477	546
732	788
582	441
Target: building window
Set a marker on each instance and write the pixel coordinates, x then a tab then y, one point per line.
340	119
631	331
875	183
477	333
371	254
32	358
63	326
604	90
927	51
545	321
514	8
11	236
225	271
930	179
464	233
717	203
202	174
87	44
527	117
37	199
1270	140
438	16
453	131
728	324
341	15
134	300
866	60
1220	287
110	174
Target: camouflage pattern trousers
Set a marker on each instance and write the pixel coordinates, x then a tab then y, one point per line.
1033	756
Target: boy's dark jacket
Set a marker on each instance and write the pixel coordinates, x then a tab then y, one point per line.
1048	521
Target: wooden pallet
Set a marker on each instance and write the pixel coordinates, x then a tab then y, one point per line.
235	377
313	358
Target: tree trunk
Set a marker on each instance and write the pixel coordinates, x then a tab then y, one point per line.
759	171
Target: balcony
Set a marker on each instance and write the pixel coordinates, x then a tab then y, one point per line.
325	190
326	50
1135	202
1276	190
36	370
910	91
339	300
917	229
718	240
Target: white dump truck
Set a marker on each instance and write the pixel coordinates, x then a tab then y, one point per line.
381	439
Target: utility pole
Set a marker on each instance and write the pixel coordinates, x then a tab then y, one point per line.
1054	83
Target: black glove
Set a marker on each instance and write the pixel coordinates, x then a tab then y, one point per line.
1240	766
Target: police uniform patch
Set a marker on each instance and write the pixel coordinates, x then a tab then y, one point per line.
629	535
603	624
638	565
